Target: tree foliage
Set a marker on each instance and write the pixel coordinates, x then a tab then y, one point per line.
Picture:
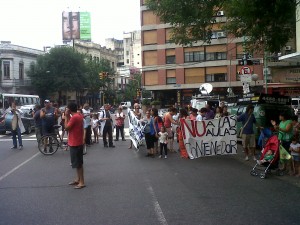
266	24
62	69
65	69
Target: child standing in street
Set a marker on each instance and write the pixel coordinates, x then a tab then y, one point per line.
295	152
163	141
95	127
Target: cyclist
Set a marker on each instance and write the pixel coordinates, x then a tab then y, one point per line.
49	116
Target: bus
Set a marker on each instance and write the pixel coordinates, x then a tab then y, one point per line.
20	100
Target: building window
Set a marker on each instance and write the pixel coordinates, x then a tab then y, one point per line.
216	56
171	80
127	61
217	77
127	52
193	56
170	59
6	69
21	71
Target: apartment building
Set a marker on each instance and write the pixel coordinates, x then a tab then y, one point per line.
174	73
132	49
15	61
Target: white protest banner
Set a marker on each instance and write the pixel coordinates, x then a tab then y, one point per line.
135	130
210	137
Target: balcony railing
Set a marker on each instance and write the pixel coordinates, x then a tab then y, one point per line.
15	83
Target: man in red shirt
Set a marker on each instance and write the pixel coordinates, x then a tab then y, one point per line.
74	126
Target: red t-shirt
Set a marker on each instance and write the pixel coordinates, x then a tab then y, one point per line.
75	130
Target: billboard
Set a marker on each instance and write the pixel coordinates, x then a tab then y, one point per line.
76	25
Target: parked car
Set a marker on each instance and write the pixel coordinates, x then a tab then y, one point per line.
26	118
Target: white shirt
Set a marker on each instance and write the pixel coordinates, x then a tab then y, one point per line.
295	146
163	137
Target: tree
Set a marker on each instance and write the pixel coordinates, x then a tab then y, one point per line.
130	91
94	83
266	24
62	69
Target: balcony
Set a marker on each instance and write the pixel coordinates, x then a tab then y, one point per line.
15	83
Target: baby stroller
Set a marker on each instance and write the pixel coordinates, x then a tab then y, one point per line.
272	144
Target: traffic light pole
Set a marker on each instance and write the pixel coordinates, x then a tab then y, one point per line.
266	72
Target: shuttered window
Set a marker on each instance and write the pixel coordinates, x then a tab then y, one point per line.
151	78
194	75
150	37
150	58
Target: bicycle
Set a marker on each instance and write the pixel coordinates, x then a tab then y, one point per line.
50	143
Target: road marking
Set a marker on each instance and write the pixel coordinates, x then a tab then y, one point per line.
158	211
17	167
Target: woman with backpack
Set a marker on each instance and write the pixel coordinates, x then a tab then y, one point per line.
158	123
168	123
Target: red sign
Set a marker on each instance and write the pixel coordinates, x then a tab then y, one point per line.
245	70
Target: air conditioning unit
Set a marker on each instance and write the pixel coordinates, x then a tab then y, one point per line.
221	34
220	13
288	48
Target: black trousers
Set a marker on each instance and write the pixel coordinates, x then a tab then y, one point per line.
107	130
88	135
120	129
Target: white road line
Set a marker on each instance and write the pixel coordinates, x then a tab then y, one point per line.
158	211
17	167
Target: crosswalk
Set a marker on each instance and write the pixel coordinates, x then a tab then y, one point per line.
32	136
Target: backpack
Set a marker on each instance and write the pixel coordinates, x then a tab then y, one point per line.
159	123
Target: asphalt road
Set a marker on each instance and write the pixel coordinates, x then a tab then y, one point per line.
125	187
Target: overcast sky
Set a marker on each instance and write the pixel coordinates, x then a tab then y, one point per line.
38	23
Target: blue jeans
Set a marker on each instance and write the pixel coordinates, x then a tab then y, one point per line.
14	137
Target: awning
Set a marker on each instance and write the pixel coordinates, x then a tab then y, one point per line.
294	57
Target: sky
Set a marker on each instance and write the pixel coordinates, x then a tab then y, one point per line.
38	23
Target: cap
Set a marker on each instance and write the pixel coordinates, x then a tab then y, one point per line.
47	101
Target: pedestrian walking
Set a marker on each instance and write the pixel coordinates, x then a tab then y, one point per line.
74	126
17	127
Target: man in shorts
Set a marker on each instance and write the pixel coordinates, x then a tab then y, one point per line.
248	137
74	126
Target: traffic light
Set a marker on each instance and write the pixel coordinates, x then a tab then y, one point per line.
101	76
138	92
244	62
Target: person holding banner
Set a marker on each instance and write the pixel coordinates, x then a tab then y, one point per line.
248	136
137	114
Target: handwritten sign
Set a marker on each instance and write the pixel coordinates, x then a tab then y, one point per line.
210	137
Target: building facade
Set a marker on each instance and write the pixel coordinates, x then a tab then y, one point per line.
15	61
132	49
174	73
118	47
